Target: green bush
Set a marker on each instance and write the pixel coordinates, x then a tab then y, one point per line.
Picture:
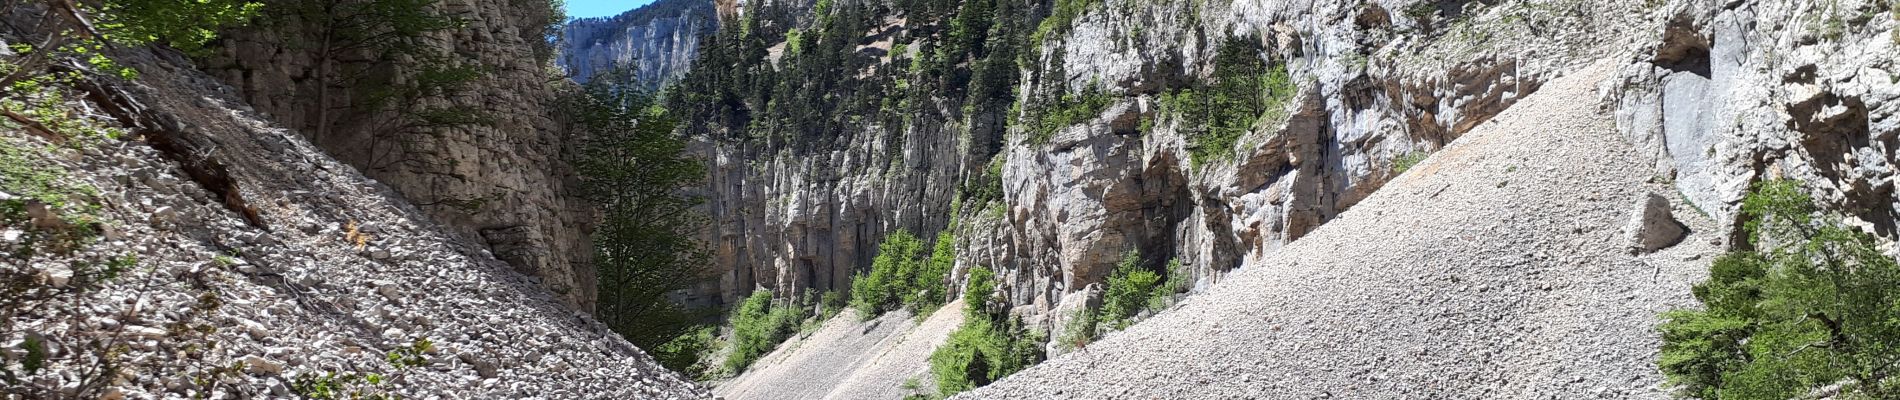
988	346
831	302
1080	330
928	286
1129	289
902	276
758	326
1069	109
1245	91
1407	161
1812	305
688	352
1176	283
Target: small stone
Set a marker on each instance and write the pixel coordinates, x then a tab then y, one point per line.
112	394
485	368
388	290
42	216
58	275
258	365
254	329
144	332
163	215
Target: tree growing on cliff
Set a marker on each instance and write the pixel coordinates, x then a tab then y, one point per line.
1814	304
634	168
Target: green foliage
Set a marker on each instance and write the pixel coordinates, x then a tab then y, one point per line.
1080	330
988	346
634	169
984	186
758	325
362	385
1812	305
1043	122
830	303
1407	161
341	385
413	355
1246	90
29	175
902	275
688	353
1129	288
793	42
1061	18
186	25
1176	283
978	288
35	357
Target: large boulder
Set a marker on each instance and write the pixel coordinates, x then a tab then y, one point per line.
1652	226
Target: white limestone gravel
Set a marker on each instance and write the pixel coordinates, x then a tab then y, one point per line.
307	297
1496	269
848	359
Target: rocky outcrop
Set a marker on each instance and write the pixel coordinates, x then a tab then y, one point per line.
657	41
1727	96
493	171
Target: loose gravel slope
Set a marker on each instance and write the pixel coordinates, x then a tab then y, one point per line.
337	273
849	359
1496	269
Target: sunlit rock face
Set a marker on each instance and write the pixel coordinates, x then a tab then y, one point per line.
657	41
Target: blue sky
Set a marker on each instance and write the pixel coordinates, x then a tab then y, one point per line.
601	8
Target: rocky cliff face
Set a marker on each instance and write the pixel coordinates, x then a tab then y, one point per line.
484	155
1721	95
1726	96
248	263
657	41
1122	179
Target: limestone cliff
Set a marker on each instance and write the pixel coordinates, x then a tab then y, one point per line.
1720	95
162	239
658	41
489	166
